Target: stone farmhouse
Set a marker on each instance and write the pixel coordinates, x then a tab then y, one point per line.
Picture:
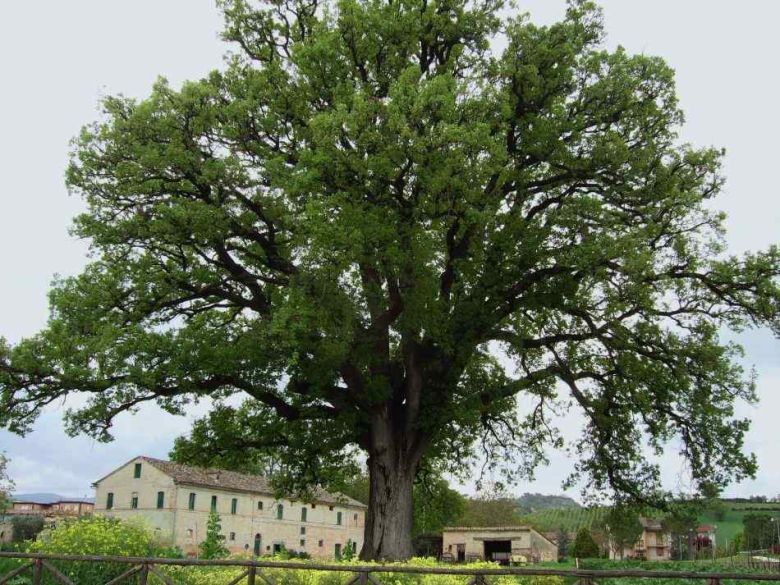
176	500
502	544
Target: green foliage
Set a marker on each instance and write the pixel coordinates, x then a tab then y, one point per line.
623	528
6	485
491	509
368	214
584	546
26	527
564	541
435	503
97	535
213	547
305	576
760	530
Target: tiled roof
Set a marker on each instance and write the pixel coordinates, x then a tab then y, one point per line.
651	524
234	481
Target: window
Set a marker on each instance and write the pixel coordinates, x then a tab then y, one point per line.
190	533
337	551
134	502
303	543
233	505
213	503
109	500
260	505
232	536
355	517
321	543
303	530
279	512
137	471
160	500
191	503
313	506
330	508
303	514
338	518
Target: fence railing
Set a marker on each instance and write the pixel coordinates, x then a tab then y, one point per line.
254	572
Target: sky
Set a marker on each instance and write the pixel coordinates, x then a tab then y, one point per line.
58	58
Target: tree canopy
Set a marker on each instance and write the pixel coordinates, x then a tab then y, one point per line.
385	222
6	485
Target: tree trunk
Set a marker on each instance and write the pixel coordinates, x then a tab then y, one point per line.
388	531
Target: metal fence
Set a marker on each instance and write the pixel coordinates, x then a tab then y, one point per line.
142	569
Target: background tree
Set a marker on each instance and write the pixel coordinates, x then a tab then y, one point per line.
373	210
213	547
759	530
623	528
6	485
24	528
491	508
584	546
680	521
563	541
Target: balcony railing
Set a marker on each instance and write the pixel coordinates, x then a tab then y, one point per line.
252	572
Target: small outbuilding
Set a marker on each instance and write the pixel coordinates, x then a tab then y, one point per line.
501	544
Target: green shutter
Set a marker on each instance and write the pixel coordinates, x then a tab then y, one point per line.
192	501
279	512
110	500
338	518
137	471
304	511
213	503
160	499
233	505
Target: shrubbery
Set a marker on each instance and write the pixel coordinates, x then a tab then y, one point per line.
305	576
96	535
26	527
111	537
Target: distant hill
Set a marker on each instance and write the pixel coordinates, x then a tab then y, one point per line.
47	498
536	502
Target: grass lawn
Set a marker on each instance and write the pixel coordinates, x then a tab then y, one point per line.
731	524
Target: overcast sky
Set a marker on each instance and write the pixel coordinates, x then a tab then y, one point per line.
57	59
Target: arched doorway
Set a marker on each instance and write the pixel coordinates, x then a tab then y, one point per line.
258	545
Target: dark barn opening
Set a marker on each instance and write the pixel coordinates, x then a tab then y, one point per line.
498	550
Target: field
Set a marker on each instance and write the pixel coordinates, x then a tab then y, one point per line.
572	519
731	523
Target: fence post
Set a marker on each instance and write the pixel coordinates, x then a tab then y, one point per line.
250	576
38	572
143	574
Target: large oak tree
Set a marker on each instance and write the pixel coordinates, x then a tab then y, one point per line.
411	229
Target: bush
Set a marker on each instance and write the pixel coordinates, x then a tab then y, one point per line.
96	535
26	527
306	576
